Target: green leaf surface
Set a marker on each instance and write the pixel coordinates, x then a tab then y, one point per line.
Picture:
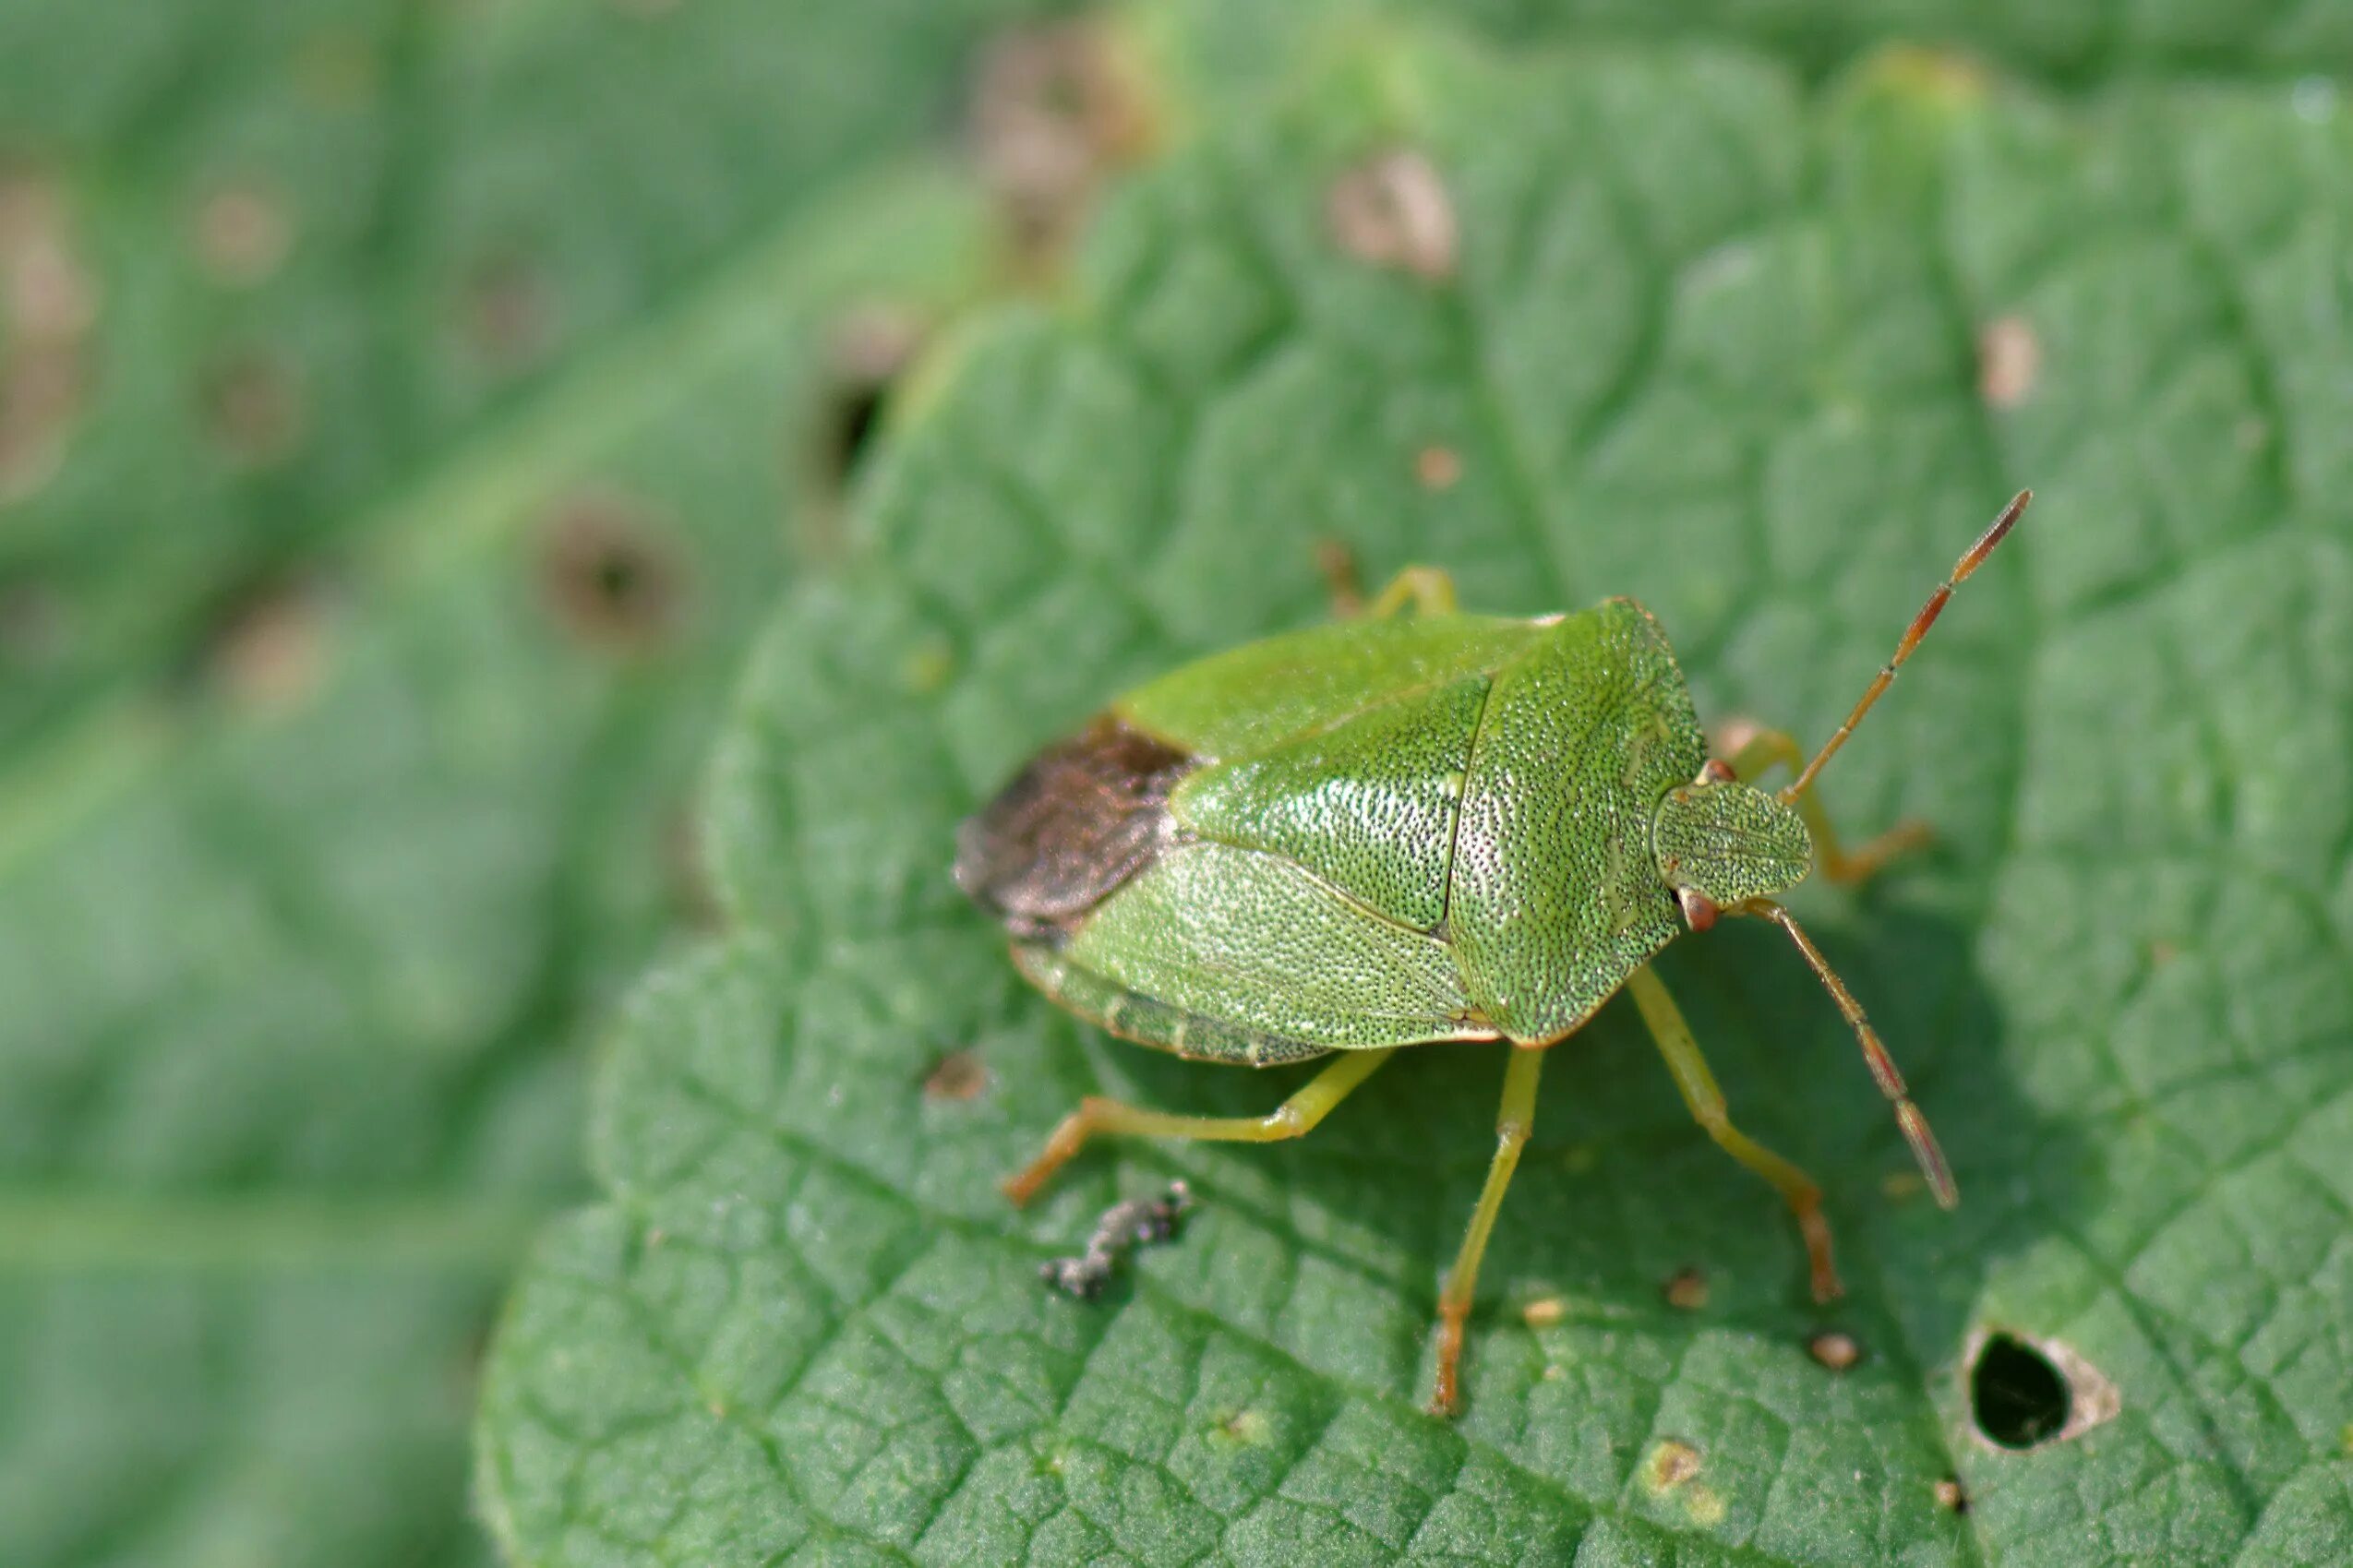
1766	355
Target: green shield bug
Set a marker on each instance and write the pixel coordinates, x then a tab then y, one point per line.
1395	829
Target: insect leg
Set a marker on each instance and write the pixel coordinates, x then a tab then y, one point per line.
1512	1121
1700	1092
1096	1115
1428	589
1765	748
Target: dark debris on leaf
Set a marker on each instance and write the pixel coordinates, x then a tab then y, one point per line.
1133	1223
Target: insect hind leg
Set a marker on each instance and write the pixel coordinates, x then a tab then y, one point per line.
1097	1116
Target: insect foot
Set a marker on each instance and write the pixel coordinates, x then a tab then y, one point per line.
1134	1223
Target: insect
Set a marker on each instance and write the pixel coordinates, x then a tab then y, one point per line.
1395	829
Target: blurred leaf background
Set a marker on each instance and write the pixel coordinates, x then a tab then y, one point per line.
407	411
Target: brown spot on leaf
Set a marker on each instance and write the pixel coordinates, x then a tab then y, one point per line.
1834	1349
1687	1290
1672	1468
270	650
1950	1497
611	577
241	234
506	314
1393	210
1544	1312
1086	814
1438	467
1249	1427
1670	1463
958	1075
252	405
48	306
1054	110
2010	357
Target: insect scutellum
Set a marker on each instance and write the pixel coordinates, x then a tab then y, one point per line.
1727	848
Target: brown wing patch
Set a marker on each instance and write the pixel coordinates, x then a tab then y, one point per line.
1086	814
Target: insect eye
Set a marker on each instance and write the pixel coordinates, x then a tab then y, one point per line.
1699	911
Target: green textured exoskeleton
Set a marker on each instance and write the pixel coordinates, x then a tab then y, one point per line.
1394	830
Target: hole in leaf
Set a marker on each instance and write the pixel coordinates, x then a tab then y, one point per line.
2018	1397
870	347
856	410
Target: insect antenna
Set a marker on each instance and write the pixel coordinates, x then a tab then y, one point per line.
1875	1055
1968	563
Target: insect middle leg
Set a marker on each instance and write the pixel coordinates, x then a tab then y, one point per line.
1707	1102
1293	1118
1764	748
1517	1114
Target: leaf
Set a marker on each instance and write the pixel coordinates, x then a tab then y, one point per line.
298	1014
2077	45
1765	358
314	893
295	254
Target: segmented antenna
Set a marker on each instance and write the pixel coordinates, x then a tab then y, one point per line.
1875	1054
1918	628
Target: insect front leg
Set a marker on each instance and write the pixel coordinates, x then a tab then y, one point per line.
1761	749
1293	1118
1430	590
1512	1121
1707	1102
